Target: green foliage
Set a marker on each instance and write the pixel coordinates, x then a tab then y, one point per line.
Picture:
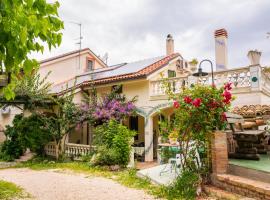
25	25
9	190
114	143
34	91
26	132
185	186
33	133
13	147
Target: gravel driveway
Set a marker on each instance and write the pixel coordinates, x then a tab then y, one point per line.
51	185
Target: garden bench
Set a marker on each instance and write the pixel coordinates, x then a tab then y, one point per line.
249	143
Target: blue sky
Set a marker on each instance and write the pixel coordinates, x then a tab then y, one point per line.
133	30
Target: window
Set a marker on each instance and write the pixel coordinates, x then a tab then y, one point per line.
171	73
90	65
117	89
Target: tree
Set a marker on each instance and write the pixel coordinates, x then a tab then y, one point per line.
25	26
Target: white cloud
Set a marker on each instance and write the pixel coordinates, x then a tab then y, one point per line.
133	30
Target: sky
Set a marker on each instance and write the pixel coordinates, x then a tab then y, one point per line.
130	30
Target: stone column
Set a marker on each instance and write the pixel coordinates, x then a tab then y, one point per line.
148	140
219	153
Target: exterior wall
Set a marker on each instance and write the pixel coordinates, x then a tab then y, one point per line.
2	137
250	98
7	119
67	68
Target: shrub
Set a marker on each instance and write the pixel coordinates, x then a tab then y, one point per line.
12	148
26	132
114	144
185	186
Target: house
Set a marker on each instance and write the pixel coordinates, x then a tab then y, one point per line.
83	69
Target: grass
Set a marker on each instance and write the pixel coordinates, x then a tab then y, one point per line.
9	190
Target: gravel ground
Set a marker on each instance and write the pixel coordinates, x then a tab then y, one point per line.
51	185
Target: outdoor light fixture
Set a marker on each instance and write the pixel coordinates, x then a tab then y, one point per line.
200	73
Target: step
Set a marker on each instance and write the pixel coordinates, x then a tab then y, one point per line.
254	174
243	186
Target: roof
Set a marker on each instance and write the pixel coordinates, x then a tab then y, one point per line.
124	71
71	53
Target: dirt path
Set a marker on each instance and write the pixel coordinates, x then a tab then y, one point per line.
50	185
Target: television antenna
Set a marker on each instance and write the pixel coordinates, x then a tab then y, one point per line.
80	39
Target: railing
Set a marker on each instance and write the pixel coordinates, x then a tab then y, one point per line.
50	149
77	150
157	87
240	78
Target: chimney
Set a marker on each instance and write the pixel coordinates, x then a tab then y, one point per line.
221	36
169	45
254	57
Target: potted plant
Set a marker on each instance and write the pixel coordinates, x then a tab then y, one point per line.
173	137
193	64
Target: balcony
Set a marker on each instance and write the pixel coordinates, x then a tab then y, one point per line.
244	79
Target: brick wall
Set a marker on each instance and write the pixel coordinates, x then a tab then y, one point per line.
219	153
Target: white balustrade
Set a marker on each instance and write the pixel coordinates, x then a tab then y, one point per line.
77	150
50	149
240	78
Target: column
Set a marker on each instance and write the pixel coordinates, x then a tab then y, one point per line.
219	153
148	140
255	77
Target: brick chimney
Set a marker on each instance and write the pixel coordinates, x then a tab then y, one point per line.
254	57
169	45
221	36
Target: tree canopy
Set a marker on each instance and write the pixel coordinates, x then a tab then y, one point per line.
25	26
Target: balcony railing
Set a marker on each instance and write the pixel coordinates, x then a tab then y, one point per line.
241	78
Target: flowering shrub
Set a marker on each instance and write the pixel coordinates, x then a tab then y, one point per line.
198	111
117	109
202	108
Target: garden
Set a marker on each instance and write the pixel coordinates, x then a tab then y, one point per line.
199	112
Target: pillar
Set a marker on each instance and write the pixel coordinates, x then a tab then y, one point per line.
148	140
219	153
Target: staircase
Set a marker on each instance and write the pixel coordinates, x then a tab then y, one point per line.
245	181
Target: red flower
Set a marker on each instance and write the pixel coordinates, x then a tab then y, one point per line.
223	117
228	86
213	104
227	96
197	102
187	99
176	104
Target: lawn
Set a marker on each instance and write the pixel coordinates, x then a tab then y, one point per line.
9	190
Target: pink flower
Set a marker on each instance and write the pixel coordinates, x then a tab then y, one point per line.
176	104
196	102
228	86
187	99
